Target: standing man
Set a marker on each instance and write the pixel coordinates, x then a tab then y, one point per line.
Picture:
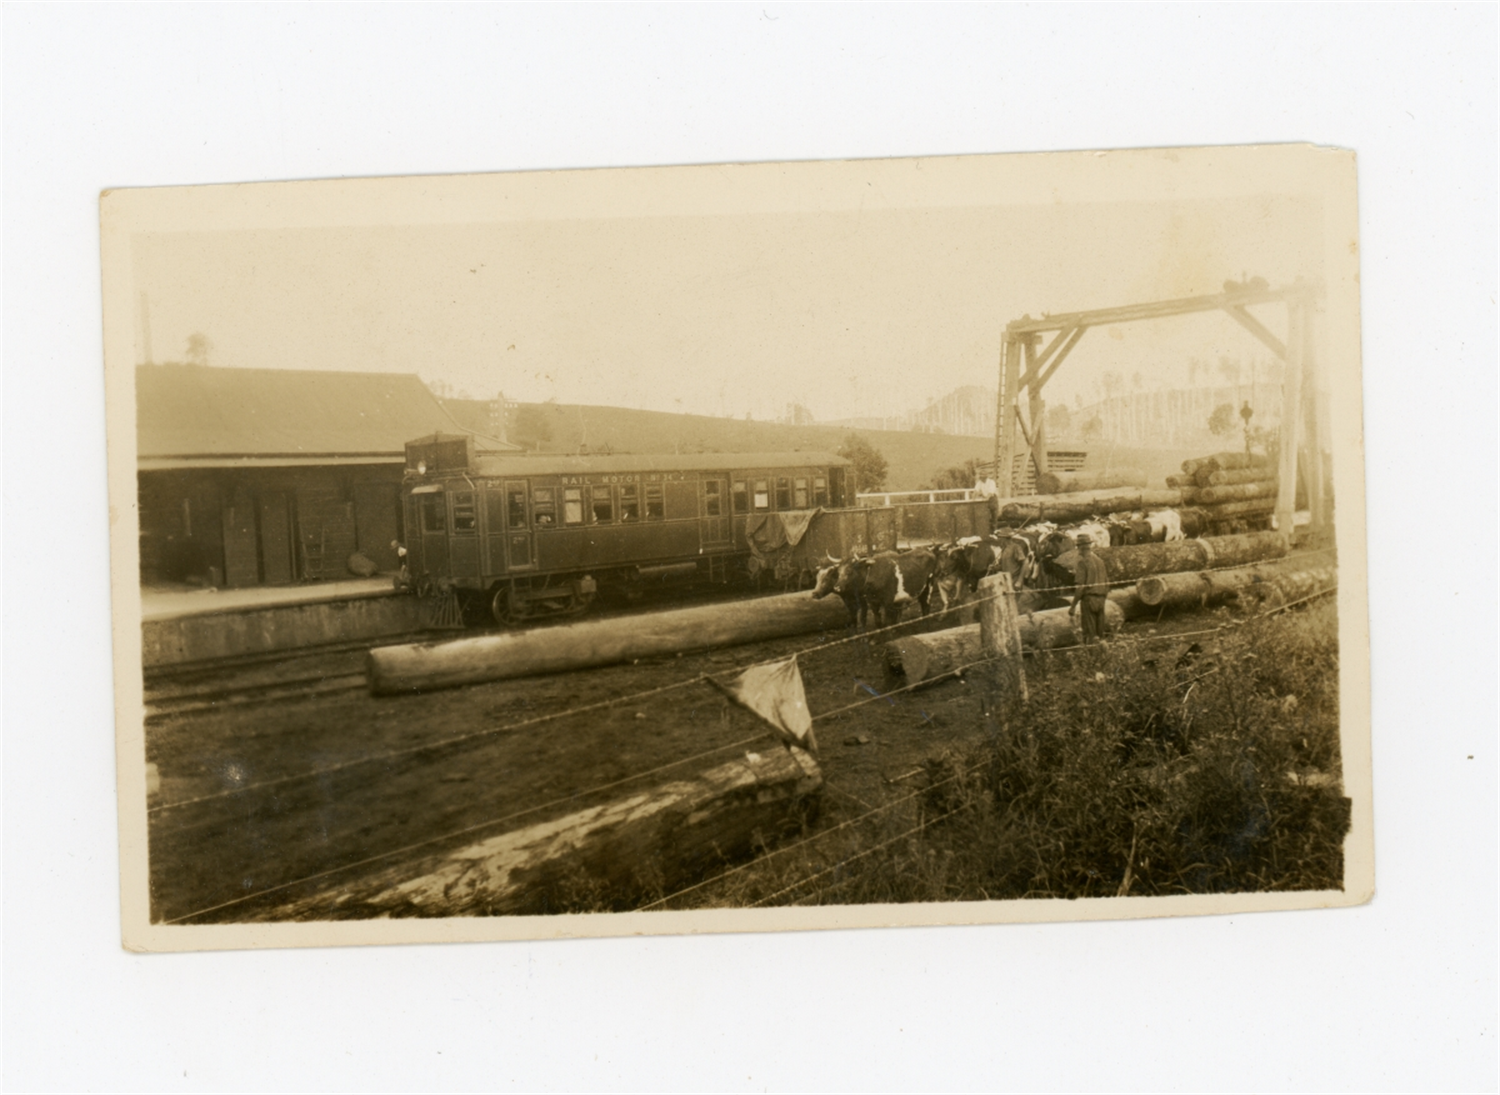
1092	581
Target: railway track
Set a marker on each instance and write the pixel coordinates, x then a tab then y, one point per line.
328	669
161	705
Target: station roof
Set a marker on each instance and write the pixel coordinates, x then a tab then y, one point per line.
203	416
616	464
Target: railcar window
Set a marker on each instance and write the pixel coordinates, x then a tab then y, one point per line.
741	497
465	517
604	504
820	491
783	493
543	507
433	517
762	495
630	502
515	511
572	505
656	508
799	494
713	500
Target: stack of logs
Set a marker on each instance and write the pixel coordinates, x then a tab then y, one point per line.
1233	491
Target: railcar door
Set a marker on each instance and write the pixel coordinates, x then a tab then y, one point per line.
432	528
714	514
520	549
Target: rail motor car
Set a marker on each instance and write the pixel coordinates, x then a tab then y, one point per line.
537	536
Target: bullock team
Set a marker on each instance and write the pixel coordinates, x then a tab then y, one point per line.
1038	557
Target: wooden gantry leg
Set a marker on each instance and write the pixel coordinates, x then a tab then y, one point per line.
1291	414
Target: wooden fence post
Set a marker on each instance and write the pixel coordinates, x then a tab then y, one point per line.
1000	644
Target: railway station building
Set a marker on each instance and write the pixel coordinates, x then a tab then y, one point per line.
274	476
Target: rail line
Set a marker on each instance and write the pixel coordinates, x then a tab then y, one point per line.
160	707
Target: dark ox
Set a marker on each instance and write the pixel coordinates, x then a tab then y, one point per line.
961	566
892	581
847	580
879	585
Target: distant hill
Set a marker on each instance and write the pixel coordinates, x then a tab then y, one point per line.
913	458
969	411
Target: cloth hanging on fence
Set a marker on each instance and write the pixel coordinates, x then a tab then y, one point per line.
775	693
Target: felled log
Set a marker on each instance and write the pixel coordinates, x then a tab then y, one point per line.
419	667
1226	461
920	658
1231	492
1251	585
667	837
934	655
1224	511
1129	564
1085	504
1182	482
1069	482
1208	477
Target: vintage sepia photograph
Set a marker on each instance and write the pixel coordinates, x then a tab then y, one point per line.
738	547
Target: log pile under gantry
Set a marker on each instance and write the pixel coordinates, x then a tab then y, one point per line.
1233	491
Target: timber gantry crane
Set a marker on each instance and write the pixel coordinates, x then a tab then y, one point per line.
1026	366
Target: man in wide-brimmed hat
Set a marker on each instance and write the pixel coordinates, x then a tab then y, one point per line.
1091	581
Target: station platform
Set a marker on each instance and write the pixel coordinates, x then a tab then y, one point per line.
165	602
181	625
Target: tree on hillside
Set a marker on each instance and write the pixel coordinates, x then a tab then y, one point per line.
1059	419
958	477
1093	429
1222	420
869	465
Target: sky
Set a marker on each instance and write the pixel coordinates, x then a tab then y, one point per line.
852	312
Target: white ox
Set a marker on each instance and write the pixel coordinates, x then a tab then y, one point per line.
1166	524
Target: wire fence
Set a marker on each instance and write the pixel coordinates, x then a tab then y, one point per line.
875	697
492	731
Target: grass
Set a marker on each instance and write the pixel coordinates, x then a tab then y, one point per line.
1132	770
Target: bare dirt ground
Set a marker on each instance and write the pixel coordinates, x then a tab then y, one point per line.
257	798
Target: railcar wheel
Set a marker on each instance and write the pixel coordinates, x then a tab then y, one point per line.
507	608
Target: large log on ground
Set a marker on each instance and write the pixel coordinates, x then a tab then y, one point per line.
418	667
1253	507
1232	492
941	653
1182	482
1226	461
1128	564
1207	477
934	655
1253	587
1085	504
660	839
1069	482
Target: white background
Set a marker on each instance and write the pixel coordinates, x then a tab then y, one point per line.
1398	994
